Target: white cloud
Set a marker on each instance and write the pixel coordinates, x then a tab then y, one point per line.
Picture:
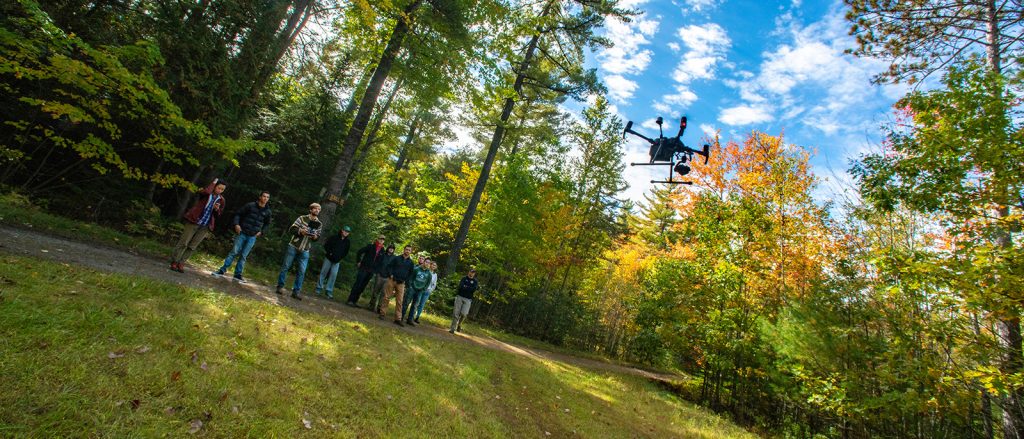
708	130
744	115
706	46
674	46
810	67
619	88
627	55
701	5
681	98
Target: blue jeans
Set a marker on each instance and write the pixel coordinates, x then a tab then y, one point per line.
420	303
243	245
412	295
329	271
290	255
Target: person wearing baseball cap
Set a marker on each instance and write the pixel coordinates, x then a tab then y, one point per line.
463	300
335	249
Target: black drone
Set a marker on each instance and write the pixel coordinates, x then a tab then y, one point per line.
669	151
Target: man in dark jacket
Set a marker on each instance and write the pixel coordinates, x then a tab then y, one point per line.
400	270
250	222
366	261
336	248
381	272
199	222
463	300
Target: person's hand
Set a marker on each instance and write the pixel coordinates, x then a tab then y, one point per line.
238	229
258	234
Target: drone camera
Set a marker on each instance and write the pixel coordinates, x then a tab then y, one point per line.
681	169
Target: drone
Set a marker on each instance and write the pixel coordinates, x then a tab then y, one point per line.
669	151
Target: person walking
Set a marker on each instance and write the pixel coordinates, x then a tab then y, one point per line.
463	300
250	222
399	272
426	293
199	222
381	278
366	258
305	229
336	248
417	286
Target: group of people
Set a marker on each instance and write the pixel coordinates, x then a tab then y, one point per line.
390	273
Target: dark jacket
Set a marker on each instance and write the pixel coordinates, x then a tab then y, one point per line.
336	248
400	269
194	213
368	257
382	265
467	287
253	218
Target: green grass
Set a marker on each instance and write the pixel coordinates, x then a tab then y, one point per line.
91	354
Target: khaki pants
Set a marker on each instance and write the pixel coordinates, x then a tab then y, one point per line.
190	239
393	289
377	292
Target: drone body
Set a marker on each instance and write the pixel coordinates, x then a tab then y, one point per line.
669	151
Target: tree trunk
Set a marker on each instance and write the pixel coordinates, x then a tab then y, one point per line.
378	121
343	168
403	154
492	151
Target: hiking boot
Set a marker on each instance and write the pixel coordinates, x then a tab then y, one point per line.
238	278
330	296
174	266
380	317
279	290
316	291
181	268
451	332
295	295
410	323
417	320
352	304
399	323
217	273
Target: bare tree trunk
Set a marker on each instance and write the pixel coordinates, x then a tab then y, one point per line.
343	168
378	121
492	151
404	152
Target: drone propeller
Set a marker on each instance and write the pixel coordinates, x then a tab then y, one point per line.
706	153
628	126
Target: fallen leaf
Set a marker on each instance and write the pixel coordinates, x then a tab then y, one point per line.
195	426
547	433
356	327
203	366
142	350
231	355
135	404
358	368
114	355
45	251
567	410
224	396
497	396
195	356
306	423
389	397
170	411
303	341
234	409
175	375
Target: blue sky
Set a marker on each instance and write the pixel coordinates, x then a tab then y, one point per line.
737	66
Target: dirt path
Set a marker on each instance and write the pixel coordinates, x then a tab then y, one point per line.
103	258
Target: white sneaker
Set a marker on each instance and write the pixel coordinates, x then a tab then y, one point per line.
217	274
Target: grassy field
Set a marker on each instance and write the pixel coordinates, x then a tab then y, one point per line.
90	354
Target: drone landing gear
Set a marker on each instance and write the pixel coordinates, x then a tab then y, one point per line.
671	167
